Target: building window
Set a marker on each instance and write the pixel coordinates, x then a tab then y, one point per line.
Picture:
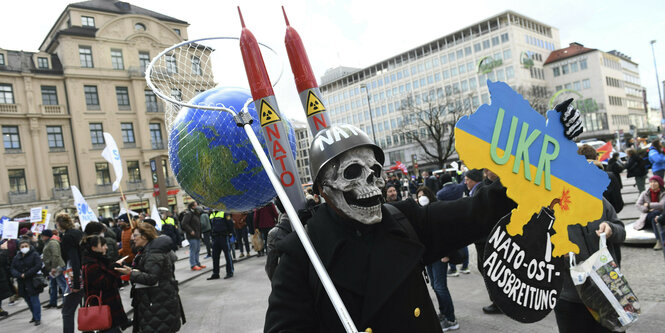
177	31
615	100
504	37
17	183
151	101
54	137
122	95
139	27
6	94
87	21
2	59
102	173
564	69
127	130
196	65
507	54
133	172
144	61
171	66
486	44
556	71
49	95
42	63
156	136
573	67
11	137
116	59
60	178
467	51
91	97
85	54
577	86
96	134
583	64
176	94
476	47
586	84
495	41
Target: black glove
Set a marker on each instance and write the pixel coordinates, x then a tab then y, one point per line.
570	118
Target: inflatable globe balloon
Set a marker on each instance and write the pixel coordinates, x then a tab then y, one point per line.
212	158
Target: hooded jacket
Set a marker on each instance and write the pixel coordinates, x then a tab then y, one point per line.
191	221
52	256
155	299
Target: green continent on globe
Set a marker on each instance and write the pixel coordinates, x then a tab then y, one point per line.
211	180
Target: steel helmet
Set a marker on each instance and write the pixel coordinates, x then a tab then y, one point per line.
333	141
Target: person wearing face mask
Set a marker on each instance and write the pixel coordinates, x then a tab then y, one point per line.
437	272
100	279
155	299
25	266
191	225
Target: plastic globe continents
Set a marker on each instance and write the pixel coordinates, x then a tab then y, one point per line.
212	158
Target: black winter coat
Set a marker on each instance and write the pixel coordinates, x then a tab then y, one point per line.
155	299
6	288
191	221
29	265
636	167
377	269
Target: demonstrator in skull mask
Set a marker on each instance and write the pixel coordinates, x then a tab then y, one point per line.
375	254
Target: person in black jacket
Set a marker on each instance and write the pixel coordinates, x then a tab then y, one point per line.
25	266
613	191
636	168
615	166
6	287
222	229
374	263
71	253
155	298
191	226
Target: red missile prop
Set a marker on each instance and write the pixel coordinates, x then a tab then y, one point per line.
274	128
308	89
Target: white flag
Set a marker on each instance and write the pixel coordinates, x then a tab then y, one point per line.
154	214
112	155
85	213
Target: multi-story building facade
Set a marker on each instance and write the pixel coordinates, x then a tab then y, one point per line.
55	104
450	71
303	140
605	84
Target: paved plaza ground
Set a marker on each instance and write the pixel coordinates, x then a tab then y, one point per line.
239	304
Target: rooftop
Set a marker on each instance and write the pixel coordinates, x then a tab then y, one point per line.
121	7
574	49
22	61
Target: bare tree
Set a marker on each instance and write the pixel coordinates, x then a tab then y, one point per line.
538	97
429	120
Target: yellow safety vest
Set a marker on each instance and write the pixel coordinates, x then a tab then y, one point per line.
218	214
169	220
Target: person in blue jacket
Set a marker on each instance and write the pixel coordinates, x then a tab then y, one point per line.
657	158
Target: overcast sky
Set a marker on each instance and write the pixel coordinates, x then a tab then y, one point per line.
359	33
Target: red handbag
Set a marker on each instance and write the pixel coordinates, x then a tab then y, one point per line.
94	318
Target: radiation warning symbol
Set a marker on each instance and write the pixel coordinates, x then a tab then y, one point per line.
268	114
314	104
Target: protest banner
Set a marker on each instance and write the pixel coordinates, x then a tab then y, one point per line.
35	214
553	186
10	230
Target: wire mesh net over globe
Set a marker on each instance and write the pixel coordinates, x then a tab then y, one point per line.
213	159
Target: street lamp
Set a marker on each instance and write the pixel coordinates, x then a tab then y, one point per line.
369	106
660	97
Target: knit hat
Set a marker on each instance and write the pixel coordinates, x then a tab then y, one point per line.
23	240
658	179
47	233
474	174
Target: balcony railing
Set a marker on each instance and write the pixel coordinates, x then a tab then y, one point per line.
52	109
103	189
154	107
22	197
9	108
136	71
135	185
61	193
158	145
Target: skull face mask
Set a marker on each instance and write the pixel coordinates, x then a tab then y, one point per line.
352	184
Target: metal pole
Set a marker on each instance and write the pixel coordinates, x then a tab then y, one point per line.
328	285
660	97
369	106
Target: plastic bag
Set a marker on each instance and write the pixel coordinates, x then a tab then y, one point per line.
604	290
257	241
